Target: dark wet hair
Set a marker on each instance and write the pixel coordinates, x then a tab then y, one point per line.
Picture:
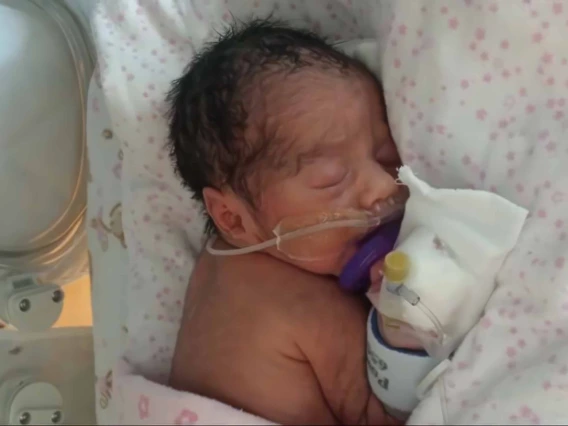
208	104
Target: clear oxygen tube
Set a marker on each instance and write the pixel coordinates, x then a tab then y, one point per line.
320	235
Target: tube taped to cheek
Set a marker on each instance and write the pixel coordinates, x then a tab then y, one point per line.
321	235
456	242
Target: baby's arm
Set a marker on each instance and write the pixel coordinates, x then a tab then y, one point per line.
334	342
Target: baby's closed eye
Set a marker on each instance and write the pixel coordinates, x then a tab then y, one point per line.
326	174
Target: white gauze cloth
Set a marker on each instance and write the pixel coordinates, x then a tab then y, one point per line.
457	240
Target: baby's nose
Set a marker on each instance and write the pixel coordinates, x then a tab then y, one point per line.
379	185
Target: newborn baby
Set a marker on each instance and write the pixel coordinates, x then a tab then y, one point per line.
271	125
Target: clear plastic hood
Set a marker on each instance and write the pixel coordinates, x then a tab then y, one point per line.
45	64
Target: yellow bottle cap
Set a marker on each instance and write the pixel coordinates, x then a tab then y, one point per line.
396	267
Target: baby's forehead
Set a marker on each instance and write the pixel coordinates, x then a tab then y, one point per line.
312	105
287	93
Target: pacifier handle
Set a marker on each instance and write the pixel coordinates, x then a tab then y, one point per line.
355	274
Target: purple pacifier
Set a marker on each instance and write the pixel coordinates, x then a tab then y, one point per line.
355	274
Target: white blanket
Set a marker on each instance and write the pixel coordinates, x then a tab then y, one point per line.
477	95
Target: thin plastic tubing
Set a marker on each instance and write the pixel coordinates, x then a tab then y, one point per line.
346	223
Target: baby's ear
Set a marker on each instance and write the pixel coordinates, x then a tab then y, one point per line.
230	215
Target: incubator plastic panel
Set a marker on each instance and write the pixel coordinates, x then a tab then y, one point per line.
46	61
45	64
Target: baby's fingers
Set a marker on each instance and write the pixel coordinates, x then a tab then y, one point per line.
376	276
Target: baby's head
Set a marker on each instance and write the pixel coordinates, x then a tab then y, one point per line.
271	123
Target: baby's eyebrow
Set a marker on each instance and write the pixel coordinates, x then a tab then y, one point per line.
307	157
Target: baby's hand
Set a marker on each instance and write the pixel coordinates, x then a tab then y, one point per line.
396	333
376	276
